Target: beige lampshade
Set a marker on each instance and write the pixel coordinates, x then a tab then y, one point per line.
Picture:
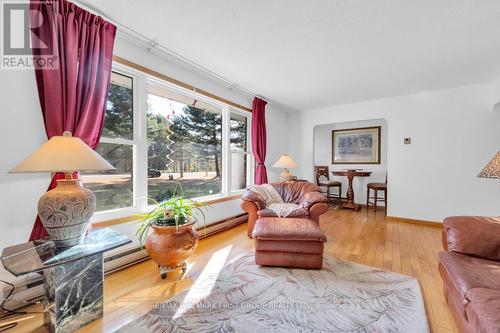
63	154
492	169
285	161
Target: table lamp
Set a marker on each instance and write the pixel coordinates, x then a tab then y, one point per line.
492	169
285	162
65	211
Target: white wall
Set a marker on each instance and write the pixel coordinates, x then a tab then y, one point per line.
454	134
277	141
323	156
22	131
495	95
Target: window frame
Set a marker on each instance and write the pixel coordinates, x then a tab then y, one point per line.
247	152
139	143
170	86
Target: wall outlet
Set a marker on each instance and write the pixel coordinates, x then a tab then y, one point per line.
407	141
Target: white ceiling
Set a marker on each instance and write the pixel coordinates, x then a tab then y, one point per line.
306	54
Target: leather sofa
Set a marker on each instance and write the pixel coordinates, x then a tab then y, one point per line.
470	269
308	195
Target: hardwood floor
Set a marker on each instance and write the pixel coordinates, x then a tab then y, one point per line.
362	237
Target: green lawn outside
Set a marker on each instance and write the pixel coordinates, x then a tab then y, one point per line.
117	193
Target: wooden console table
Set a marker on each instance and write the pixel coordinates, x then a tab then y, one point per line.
350	174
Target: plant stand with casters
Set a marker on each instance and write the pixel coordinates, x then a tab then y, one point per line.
165	270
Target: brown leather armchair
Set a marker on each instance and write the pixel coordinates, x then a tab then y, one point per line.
313	203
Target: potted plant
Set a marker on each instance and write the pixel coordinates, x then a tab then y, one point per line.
167	231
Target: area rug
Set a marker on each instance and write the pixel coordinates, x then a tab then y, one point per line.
244	297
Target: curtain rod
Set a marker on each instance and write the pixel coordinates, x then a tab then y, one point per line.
153	44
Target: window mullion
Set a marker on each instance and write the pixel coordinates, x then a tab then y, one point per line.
226	152
141	148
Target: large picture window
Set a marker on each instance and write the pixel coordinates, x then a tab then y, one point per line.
184	145
157	134
114	189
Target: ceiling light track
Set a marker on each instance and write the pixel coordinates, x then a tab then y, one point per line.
154	44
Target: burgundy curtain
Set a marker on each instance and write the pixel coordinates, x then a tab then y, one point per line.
259	139
73	95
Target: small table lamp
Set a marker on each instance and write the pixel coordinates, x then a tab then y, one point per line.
285	162
492	169
66	210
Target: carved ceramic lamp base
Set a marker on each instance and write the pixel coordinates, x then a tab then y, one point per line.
66	211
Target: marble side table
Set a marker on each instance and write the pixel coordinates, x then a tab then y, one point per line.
73	290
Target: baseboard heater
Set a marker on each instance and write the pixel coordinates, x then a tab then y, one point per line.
222	225
29	289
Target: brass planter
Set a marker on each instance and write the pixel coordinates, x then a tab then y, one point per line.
171	246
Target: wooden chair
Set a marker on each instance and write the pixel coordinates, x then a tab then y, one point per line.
376	187
323	171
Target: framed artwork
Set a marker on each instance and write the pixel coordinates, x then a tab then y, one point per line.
356	146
